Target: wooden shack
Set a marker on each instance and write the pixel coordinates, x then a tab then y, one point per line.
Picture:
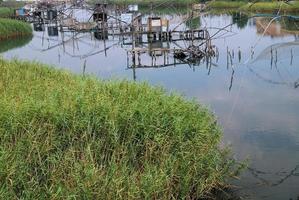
84	26
100	16
157	25
100	13
154	25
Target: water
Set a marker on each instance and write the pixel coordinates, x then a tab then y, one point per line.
255	98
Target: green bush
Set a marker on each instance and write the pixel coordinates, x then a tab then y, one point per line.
12	4
5	12
71	137
12	28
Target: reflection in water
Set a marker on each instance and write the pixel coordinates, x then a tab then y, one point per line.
252	90
52	31
282	27
12	44
240	19
282	53
38	27
268	140
101	35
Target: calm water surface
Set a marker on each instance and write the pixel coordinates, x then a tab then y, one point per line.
256	99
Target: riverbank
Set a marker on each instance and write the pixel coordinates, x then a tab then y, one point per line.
65	135
255	7
10	29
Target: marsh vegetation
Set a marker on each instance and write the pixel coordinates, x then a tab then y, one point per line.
14	29
67	136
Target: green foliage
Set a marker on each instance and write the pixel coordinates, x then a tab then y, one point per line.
226	4
12	29
272	6
257	6
12	4
72	137
5	12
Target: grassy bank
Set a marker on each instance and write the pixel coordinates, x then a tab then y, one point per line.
10	29
71	137
5	12
272	6
259	6
226	4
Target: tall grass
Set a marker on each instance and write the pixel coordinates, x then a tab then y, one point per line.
5	12
226	4
12	29
72	137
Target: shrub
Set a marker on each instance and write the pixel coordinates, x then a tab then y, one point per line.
5	12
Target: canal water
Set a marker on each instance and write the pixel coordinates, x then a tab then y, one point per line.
252	86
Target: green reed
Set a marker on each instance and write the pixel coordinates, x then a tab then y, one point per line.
65	136
13	28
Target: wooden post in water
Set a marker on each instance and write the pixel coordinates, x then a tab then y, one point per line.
227	58
291	57
239	54
271	52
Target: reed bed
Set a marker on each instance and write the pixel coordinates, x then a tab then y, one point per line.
66	136
13	29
